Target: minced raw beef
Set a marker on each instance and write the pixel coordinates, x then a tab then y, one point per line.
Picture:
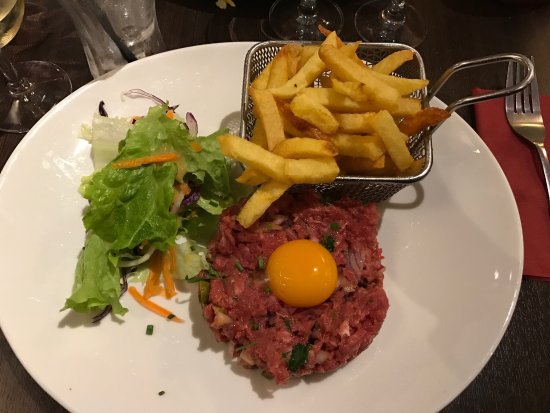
285	341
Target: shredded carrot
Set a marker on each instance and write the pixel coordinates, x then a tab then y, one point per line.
169	287
152	286
170	114
163	312
133	163
196	147
185	188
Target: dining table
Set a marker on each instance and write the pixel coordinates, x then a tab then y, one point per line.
516	378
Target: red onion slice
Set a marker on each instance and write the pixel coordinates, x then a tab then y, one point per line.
191	124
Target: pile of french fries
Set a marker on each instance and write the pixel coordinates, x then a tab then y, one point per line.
322	112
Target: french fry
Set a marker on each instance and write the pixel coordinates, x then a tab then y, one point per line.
346	68
393	139
356	123
413	124
263	78
311	171
407	106
336	102
415	168
254	156
258	134
360	146
366	167
393	61
305	75
252	177
297	127
279	70
313	112
403	85
298	148
307	52
353	90
266	110
260	200
314	170
294	55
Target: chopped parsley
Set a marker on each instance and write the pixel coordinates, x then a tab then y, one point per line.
267	290
261	263
298	357
239	266
254	325
328	242
335	226
149	329
288	324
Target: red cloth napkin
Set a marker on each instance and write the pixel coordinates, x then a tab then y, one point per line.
521	165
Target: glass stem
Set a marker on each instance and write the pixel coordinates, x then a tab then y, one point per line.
393	16
16	86
307	12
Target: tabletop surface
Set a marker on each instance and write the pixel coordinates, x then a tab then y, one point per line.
517	377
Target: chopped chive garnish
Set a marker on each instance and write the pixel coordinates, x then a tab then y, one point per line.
170	316
328	243
267	290
288	324
335	226
261	263
149	329
161	392
298	357
239	266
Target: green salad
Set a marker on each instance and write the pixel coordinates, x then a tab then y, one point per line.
154	202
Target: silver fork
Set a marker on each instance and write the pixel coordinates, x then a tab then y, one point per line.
524	116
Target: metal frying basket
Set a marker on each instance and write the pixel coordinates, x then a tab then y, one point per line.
380	188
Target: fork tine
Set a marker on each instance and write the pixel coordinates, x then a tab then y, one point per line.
526	93
535	99
519	96
509	100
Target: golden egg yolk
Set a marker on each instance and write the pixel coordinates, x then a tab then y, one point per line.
302	273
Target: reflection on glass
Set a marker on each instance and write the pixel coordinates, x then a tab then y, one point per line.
30	88
300	19
393	21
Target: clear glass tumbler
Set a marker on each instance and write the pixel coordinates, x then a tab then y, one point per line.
115	32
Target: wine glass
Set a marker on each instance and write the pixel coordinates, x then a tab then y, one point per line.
32	87
393	21
300	19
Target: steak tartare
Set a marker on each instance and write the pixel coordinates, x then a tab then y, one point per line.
281	340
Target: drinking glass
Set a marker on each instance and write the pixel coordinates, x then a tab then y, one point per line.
32	87
393	21
115	32
300	19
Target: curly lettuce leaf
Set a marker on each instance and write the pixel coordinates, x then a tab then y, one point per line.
129	206
97	279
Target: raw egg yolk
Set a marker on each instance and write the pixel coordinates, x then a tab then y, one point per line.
302	273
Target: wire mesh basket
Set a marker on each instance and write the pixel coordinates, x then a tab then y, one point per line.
378	188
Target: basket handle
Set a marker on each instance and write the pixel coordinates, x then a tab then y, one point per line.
457	67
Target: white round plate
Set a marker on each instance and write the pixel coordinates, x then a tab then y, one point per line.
452	245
